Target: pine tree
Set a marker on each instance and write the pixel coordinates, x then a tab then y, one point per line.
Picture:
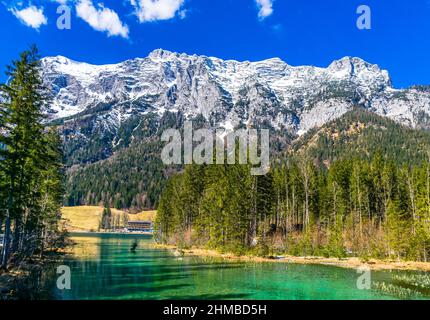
369	208
30	166
396	231
107	220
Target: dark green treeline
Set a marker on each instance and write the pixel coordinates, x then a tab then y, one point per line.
356	207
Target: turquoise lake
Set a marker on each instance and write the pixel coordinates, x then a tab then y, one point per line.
102	267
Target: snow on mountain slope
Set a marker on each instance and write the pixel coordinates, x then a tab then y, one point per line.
228	93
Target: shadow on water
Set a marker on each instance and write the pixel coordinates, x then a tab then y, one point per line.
160	269
232	296
104	268
158	288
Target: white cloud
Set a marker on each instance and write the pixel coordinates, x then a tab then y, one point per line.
31	16
183	13
101	18
265	7
153	10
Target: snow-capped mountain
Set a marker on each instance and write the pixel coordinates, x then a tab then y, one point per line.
228	93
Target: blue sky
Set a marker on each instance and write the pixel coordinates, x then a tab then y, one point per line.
305	32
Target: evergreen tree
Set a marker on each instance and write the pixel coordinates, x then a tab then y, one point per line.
30	166
360	207
107	220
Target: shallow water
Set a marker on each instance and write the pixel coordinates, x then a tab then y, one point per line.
102	267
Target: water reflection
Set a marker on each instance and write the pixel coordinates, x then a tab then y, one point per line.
103	267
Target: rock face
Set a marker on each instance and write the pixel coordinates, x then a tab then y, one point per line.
227	94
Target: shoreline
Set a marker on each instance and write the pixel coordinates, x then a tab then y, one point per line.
109	232
349	263
18	283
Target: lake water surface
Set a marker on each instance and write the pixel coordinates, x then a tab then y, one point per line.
103	267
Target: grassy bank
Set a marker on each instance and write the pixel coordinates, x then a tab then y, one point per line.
353	262
87	218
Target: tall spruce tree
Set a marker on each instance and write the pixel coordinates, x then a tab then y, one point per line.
30	161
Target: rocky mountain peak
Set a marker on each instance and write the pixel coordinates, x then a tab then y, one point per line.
228	93
161	54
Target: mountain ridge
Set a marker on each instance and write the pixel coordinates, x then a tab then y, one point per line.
116	112
229	93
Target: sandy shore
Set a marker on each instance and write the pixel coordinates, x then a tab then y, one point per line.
352	263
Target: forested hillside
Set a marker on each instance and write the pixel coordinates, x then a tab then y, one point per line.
361	133
368	208
134	176
131	179
359	185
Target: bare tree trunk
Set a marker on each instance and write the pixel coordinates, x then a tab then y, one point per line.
334	201
42	245
278	205
412	198
428	184
306	181
287	207
294	205
253	221
359	213
16	234
6	242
